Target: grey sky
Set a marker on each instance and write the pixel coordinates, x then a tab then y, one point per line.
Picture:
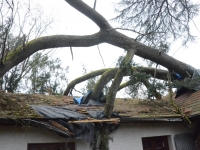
70	21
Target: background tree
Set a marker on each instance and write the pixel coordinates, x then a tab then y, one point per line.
158	23
20	22
46	75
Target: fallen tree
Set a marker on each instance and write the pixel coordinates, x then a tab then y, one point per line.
107	34
108	74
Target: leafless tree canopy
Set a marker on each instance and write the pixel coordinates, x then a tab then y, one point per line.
157	21
19	23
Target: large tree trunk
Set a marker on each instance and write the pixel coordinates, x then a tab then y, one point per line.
123	70
110	98
104	138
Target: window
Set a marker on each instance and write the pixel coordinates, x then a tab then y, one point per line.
155	143
70	146
52	146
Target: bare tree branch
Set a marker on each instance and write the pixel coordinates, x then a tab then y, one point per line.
85	77
101	55
100	21
170	17
113	37
95	2
71	53
123	70
21	53
109	73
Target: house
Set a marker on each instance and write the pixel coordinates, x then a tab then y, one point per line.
35	122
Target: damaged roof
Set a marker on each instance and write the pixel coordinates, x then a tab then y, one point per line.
60	114
18	106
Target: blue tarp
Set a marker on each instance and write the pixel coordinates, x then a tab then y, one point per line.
81	100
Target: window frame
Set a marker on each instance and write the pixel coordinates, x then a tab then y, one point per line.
51	145
152	140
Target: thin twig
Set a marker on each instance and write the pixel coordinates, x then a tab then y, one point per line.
101	56
71	53
154	76
95	2
134	31
78	91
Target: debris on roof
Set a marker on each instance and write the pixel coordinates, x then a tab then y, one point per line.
18	106
60	114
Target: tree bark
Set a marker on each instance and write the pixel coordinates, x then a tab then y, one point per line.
110	97
113	37
106	34
22	52
108	74
123	69
104	79
104	143
85	77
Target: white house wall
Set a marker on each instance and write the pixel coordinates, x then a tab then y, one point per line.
17	138
129	136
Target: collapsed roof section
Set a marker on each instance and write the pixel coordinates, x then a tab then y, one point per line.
58	113
18	106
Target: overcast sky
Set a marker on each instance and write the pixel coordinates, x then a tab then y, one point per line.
69	21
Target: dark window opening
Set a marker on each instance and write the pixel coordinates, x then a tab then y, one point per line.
70	146
52	146
155	143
